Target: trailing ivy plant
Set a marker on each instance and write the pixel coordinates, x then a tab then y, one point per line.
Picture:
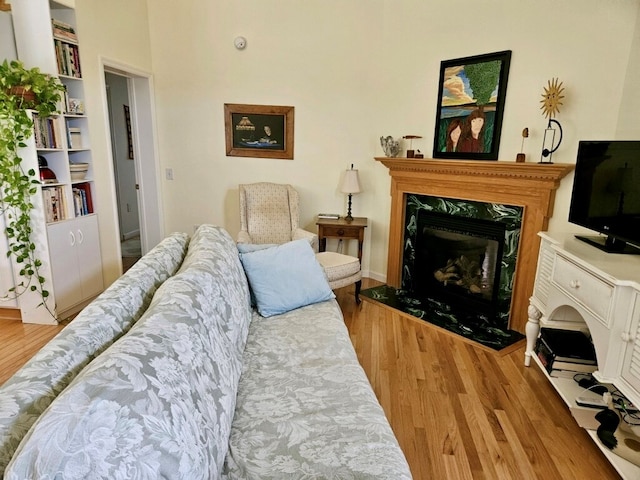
41	93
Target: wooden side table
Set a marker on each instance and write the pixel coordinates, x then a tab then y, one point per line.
340	228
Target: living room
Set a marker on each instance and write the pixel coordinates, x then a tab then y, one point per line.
353	71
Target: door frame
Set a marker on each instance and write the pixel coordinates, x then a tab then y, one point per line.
145	147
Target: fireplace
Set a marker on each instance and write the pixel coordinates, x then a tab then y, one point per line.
457	260
460	257
528	188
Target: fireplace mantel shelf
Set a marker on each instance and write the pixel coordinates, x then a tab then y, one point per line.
482	168
531	185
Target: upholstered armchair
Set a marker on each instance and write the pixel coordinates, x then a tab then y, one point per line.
269	214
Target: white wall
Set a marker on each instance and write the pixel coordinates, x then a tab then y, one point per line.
7	51
354	71
116	31
7	44
360	69
628	121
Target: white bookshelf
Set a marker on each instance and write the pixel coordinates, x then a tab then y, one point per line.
68	242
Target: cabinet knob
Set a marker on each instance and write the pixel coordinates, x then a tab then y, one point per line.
574	284
626	337
341	232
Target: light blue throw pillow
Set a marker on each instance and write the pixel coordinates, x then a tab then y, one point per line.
285	277
253	247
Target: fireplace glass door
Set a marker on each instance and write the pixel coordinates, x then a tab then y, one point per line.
458	260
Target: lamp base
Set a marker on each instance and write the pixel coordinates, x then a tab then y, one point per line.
349	218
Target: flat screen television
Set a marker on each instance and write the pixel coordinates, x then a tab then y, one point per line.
606	194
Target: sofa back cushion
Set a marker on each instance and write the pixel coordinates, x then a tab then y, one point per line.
26	395
159	402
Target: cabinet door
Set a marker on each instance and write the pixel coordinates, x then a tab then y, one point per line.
76	261
88	254
631	365
64	264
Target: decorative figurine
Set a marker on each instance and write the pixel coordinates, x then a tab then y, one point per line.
390	146
551	101
521	156
410	151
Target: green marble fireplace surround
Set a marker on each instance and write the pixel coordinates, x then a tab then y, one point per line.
509	217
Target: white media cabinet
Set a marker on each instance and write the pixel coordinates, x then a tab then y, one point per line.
580	287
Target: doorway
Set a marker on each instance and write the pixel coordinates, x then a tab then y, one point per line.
124	171
135	165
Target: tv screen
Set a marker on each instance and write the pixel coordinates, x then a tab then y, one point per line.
606	194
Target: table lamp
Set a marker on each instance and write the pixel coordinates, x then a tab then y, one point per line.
350	185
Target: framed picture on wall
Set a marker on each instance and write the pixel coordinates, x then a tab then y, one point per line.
471	96
262	131
127	121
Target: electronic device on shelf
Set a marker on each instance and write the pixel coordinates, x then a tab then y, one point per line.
591	401
605	196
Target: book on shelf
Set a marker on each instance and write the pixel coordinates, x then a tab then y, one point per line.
569	345
554	363
63	30
559	373
46	132
54	204
67	58
329	216
82	201
562	369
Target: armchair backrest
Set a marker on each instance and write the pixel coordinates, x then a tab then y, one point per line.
269	211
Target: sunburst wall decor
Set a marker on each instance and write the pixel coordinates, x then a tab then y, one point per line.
551	98
551	101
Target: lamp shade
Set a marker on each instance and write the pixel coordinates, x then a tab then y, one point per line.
350	182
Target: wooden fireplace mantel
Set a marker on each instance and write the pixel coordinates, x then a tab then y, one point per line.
530	185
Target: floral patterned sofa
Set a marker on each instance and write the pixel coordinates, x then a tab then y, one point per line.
200	386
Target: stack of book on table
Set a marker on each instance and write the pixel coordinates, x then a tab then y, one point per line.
566	352
329	216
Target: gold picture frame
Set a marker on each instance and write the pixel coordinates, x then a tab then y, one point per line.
261	131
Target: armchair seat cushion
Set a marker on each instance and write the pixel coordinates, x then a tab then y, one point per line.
338	266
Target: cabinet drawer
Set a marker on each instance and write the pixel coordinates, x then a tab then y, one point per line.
340	231
590	292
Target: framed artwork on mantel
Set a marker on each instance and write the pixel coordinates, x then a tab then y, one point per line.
471	96
262	131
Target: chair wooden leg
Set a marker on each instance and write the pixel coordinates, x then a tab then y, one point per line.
358	286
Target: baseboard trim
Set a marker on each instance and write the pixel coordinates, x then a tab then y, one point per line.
132	234
12	314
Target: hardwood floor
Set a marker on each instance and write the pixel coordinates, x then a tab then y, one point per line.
459	411
19	342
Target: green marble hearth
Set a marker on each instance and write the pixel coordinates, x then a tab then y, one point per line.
474	327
